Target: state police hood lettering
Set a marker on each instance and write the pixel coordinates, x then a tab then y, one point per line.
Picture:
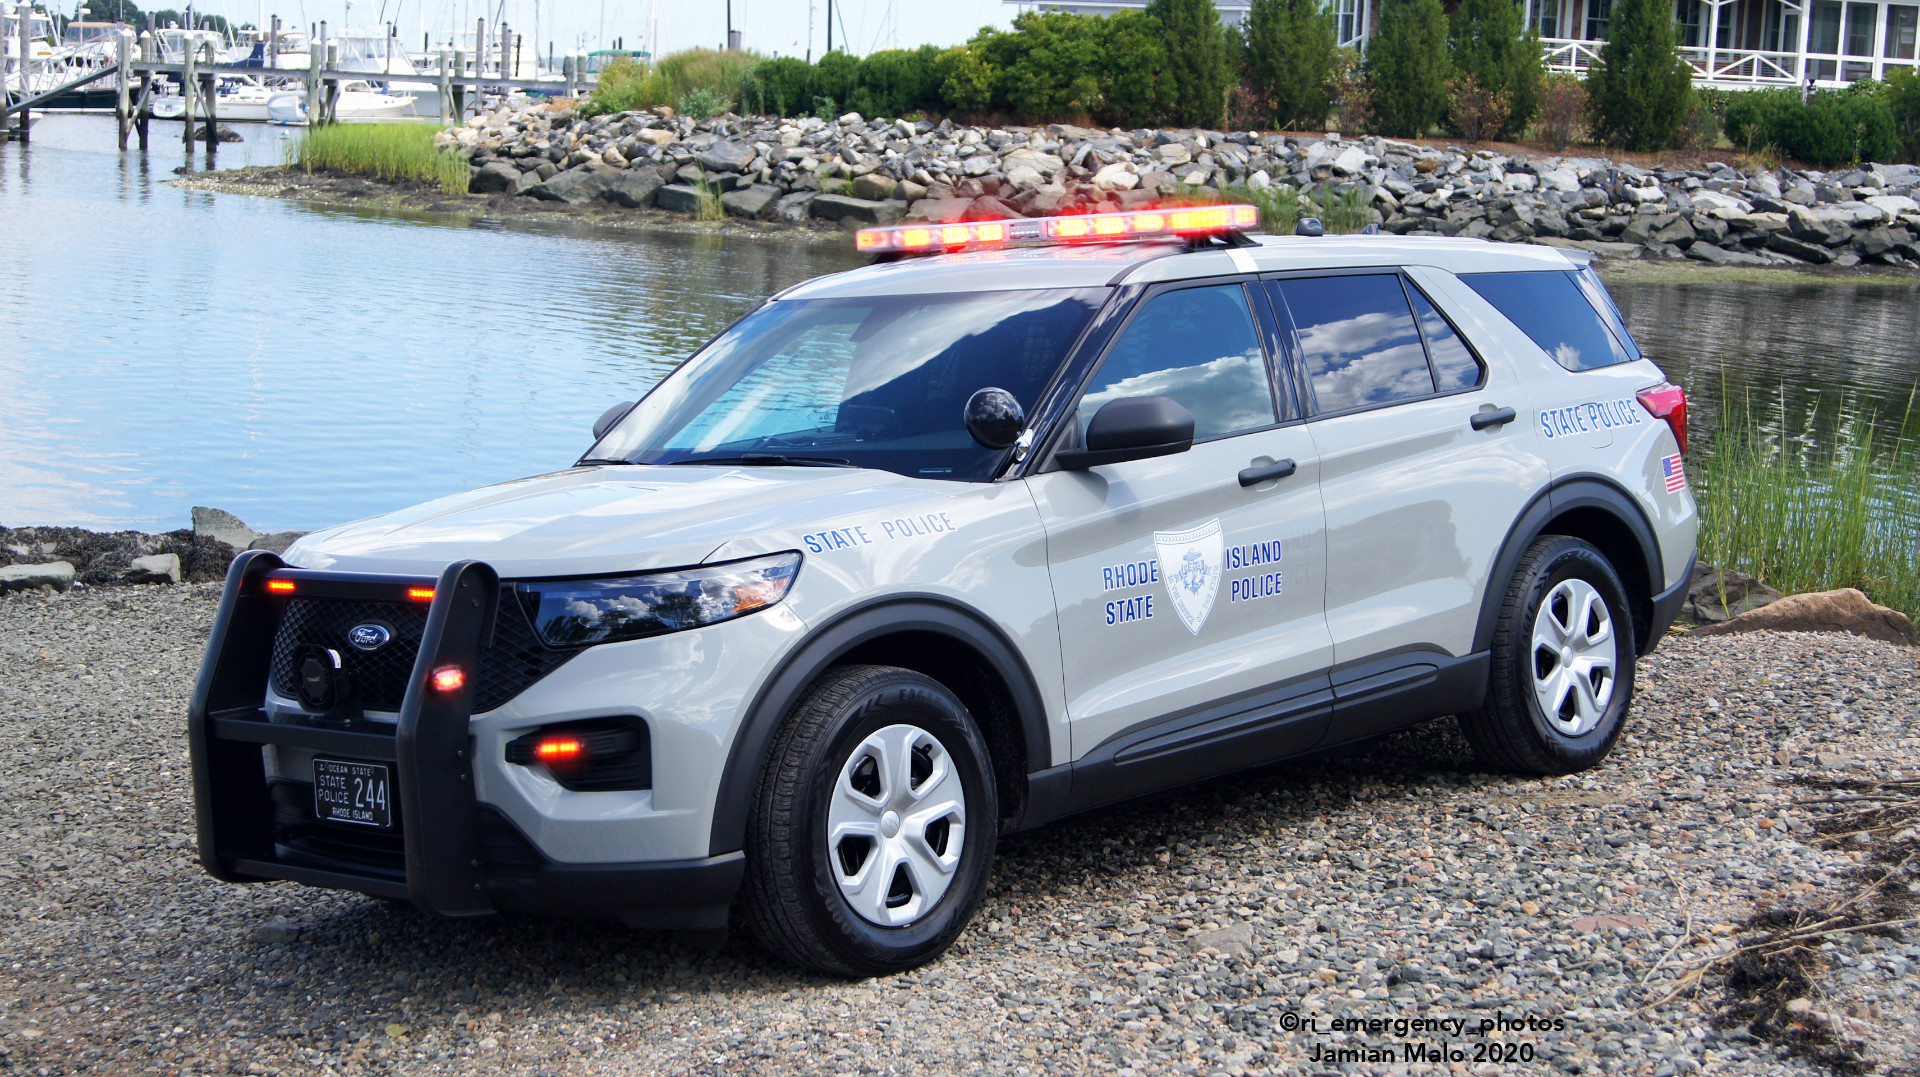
1190	563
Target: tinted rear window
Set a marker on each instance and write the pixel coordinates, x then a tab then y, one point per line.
1554	310
1358	339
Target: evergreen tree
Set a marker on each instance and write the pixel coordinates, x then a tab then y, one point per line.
1291	54
1197	61
1408	68
1640	90
1492	42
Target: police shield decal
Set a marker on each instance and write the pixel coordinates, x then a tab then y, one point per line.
1190	564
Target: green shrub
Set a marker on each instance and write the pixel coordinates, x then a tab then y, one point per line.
701	104
1198	75
1902	95
1047	67
1291	55
779	87
1832	127
966	79
893	82
1492	43
1135	87
388	151
1640	90
626	84
833	79
1563	102
1408	68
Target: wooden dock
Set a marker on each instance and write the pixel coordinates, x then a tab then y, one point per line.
454	74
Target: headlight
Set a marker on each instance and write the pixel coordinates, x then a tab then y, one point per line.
573	613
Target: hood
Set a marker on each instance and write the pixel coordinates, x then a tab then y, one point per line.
593	520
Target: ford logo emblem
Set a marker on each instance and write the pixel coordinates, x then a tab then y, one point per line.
370	636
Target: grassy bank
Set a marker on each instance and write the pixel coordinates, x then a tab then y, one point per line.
1806	502
388	151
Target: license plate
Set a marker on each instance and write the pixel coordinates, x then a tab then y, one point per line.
357	793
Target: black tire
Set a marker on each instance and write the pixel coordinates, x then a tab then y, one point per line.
794	903
1512	731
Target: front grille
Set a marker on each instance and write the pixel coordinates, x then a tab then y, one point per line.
515	661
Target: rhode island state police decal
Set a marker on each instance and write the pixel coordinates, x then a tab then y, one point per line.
1190	570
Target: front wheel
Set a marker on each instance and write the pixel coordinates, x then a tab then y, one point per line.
874	825
1562	664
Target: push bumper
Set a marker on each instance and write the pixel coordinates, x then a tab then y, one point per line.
1666	605
447	853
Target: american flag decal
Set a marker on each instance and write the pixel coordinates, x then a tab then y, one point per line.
1676	475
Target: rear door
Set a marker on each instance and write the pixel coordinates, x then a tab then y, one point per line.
1182	593
1423	468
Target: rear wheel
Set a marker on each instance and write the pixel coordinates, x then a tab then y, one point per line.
874	825
1562	663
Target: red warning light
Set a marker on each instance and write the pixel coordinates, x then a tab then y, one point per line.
448	679
280	587
420	594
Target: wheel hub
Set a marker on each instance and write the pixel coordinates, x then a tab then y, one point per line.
1575	653
896	825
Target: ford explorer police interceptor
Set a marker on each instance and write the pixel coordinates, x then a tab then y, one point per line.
1025	518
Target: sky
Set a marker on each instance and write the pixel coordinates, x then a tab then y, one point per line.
768	26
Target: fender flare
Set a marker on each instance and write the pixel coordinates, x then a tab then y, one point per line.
824	648
1563	495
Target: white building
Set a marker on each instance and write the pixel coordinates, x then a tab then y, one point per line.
1730	43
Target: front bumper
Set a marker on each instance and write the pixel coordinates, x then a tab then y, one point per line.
447	853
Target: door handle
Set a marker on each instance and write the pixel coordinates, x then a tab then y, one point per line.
1254	476
1500	417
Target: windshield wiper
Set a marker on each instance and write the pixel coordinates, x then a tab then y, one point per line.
769	459
601	460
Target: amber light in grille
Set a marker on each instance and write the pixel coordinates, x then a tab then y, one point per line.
280	587
448	679
560	750
420	594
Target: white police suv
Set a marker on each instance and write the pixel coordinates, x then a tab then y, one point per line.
1065	512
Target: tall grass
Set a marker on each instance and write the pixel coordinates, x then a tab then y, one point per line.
388	151
1804	510
693	81
1282	206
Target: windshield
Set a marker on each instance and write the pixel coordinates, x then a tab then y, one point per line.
879	382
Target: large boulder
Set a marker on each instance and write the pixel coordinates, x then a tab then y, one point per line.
276	542
222	526
157	568
754	203
678	197
939	210
494	177
1719	594
635	188
725	157
795	207
1845	610
840	207
1806	252
577	186
56	576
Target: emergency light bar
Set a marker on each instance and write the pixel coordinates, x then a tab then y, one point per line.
1181	222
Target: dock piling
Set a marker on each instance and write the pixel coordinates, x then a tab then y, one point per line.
333	84
446	85
189	85
23	15
123	84
316	56
459	88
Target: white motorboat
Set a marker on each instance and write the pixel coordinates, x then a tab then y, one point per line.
358	101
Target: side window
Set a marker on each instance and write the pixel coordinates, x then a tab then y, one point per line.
1198	346
1454	364
1551	307
1357	339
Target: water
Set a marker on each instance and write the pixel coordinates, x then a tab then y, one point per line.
299	366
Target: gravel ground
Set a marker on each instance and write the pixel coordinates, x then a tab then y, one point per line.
1222	929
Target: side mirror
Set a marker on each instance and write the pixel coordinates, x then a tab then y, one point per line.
610	416
995	418
1132	428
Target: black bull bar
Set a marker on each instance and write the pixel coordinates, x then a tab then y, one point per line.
448	869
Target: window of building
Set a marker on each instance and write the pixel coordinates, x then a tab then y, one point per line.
1198	346
1823	33
1686	18
1862	20
1545	17
1902	22
1552	309
1598	12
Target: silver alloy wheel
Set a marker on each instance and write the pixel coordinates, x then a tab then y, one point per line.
1574	654
896	825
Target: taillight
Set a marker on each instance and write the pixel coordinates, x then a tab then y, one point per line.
1668	401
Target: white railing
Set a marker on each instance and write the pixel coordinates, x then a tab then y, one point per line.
1743	66
1569	55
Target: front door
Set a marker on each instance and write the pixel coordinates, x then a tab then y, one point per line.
1179	589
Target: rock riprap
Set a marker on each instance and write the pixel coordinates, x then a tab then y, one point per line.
857	171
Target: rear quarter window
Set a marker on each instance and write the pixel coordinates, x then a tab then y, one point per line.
1557	313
